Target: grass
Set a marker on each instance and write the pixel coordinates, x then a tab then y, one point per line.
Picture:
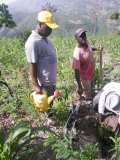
13	67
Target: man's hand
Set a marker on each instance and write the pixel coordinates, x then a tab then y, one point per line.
79	86
33	78
37	89
79	91
101	118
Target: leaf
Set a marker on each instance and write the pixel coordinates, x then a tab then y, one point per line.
44	129
2	137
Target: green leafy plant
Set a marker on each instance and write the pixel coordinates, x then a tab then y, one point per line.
64	149
88	152
59	111
61	146
116	141
22	143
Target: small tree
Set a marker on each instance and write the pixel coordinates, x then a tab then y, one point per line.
115	17
50	7
5	17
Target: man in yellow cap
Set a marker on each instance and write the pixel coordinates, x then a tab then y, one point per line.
41	54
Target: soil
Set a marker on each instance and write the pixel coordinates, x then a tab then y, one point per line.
89	130
86	130
86	127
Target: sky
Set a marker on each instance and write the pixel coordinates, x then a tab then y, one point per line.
6	1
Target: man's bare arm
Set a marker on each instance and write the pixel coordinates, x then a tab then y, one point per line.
77	77
33	77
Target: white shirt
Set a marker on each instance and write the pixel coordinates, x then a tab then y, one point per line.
110	87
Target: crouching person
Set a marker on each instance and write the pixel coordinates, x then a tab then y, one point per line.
108	101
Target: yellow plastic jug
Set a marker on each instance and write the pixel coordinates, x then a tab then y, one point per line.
42	101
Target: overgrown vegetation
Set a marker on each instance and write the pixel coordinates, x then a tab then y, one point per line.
64	149
22	142
116	141
15	91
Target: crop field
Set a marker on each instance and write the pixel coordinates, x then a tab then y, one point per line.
15	105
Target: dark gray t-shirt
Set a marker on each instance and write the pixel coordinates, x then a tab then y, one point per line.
40	51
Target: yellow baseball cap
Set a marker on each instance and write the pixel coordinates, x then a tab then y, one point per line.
47	18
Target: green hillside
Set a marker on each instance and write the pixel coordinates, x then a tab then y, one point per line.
90	14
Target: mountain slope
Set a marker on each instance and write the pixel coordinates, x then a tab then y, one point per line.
70	14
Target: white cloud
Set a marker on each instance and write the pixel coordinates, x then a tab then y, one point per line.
6	1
